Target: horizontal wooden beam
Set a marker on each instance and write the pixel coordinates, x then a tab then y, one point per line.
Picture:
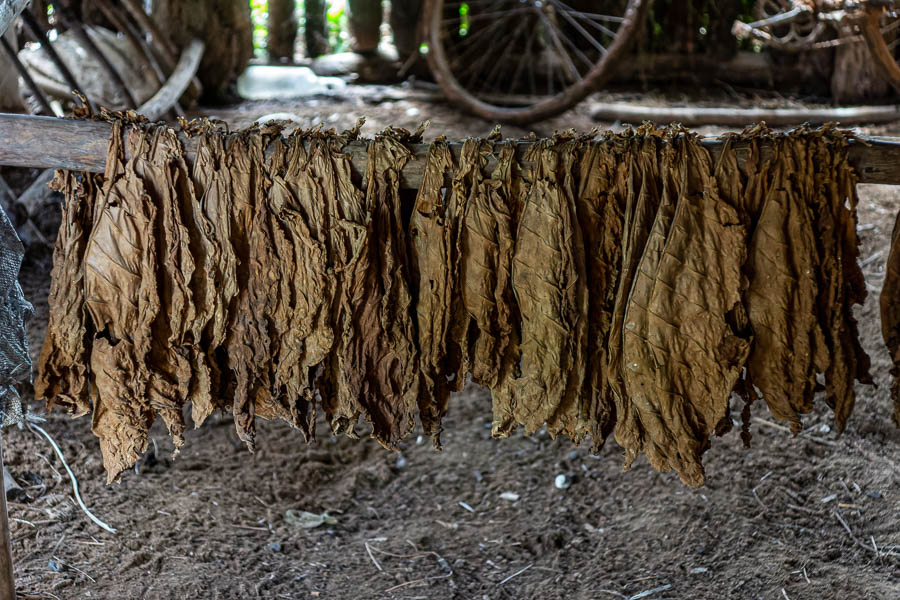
47	142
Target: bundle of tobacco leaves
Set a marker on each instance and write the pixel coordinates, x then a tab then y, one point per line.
629	283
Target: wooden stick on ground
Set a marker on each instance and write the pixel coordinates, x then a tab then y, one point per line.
692	116
7	580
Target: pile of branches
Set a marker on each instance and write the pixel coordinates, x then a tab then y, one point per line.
625	283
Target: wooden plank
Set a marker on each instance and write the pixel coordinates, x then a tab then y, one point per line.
26	76
46	142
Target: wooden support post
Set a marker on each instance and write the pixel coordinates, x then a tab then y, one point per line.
7	580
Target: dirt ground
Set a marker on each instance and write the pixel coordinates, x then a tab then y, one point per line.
805	517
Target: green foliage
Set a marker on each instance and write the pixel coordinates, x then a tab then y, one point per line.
337	27
707	18
259	15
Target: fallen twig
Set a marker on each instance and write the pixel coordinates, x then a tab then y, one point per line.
852	536
516	574
59	453
655	590
817	440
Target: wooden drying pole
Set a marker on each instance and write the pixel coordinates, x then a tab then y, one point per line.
47	142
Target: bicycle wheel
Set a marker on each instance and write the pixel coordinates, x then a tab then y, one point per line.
881	30
519	61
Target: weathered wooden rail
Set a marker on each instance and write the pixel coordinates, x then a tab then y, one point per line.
47	142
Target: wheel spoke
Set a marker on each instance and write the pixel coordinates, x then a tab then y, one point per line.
589	16
482	16
551	28
581	55
518	71
492	74
468	40
597	45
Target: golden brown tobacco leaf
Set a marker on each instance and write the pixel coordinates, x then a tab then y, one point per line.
624	282
120	283
247	341
434	230
890	314
62	374
842	285
681	356
218	278
549	282
489	239
375	371
600	206
803	275
642	201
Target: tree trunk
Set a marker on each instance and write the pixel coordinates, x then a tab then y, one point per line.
404	24
315	34
223	25
721	40
282	30
364	20
856	77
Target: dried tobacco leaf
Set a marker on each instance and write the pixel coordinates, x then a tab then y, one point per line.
375	371
213	193
642	201
550	287
601	206
890	314
682	357
804	277
434	230
120	287
842	285
623	282
488	247
62	373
